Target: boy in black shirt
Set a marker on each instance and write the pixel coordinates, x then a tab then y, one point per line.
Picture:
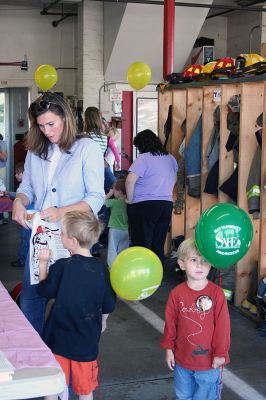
83	297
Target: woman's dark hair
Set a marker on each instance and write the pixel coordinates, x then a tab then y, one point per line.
93	121
36	141
148	142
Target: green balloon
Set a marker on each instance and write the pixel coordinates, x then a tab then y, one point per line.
136	273
223	234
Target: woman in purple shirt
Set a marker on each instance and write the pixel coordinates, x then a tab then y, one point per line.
149	187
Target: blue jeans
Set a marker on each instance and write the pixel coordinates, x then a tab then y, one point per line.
109	179
24	244
32	305
118	240
197	385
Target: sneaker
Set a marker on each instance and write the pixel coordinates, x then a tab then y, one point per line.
246	304
253	310
17	264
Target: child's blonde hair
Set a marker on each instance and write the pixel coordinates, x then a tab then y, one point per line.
120	184
187	247
83	226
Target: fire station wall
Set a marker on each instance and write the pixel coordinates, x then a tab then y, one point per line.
23	31
240	38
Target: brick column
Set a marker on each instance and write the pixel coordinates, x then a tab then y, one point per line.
90	55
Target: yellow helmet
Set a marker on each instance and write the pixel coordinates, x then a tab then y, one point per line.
208	68
247	60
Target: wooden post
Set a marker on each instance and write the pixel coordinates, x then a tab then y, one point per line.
226	163
194	110
262	247
179	115
211	100
165	100
251	107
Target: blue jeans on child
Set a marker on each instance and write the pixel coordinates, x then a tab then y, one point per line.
118	240
32	305
197	385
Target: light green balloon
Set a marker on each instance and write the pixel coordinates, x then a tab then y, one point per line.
136	273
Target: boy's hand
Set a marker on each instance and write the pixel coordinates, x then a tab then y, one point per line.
170	359
103	325
44	255
217	362
104	319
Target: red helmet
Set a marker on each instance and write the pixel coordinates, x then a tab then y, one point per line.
192	70
226	63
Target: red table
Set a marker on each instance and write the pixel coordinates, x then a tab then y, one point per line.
5	204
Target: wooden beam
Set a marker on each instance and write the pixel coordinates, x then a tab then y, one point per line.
194	111
251	107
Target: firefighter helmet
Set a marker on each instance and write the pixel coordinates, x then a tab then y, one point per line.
224	67
208	68
192	70
249	63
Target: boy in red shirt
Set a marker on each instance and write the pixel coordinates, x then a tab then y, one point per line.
197	329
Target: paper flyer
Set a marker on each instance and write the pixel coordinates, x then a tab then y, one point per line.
44	235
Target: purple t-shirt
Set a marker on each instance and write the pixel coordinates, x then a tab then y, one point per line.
157	177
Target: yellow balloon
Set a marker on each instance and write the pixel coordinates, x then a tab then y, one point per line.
138	75
45	76
136	273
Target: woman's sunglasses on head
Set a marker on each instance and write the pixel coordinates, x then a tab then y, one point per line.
42	105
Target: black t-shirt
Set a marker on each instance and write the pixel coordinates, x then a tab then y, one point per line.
82	292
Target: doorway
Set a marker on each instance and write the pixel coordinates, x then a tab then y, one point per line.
13	124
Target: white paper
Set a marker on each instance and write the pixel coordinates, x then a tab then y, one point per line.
44	235
5	364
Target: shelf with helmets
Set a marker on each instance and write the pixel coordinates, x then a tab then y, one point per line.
216	131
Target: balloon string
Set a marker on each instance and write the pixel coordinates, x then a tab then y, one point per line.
220	383
220	279
98	391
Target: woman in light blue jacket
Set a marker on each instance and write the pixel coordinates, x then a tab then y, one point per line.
63	172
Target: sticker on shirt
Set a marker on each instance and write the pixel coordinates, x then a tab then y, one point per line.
204	303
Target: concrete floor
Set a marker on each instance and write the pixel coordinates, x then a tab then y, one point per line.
132	365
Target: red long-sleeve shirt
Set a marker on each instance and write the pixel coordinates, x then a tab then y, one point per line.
197	326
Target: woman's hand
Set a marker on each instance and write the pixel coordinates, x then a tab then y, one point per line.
51	214
19	213
117	166
130	185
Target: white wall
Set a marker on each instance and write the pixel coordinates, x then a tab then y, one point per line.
238	33
140	38
216	28
213	28
23	31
